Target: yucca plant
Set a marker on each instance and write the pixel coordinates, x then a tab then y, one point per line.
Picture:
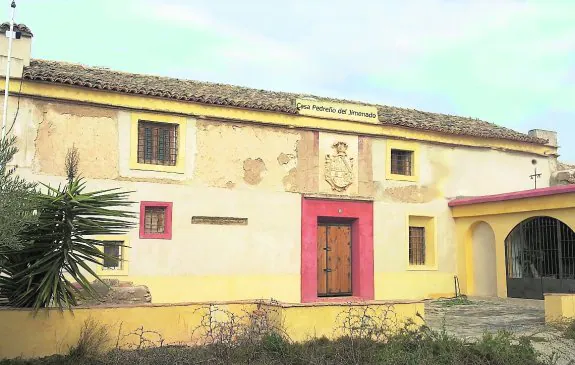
42	274
17	198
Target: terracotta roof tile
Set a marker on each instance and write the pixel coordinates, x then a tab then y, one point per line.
4	27
242	97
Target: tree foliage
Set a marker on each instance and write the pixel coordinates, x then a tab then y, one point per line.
17	198
62	247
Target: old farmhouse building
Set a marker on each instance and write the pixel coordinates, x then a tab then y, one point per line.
247	194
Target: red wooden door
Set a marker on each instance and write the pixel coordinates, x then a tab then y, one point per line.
333	259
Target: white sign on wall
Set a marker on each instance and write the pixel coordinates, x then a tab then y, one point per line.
332	110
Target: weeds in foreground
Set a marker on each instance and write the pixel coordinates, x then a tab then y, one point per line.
363	335
93	341
451	302
569	331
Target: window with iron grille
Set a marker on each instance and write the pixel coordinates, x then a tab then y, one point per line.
416	245
402	162
155	220
113	255
157	143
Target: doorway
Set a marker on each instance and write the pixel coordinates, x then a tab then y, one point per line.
334	246
484	268
540	258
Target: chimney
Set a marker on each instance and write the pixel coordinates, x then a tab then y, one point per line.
551	136
21	49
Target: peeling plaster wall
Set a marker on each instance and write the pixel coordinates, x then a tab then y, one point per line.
258	172
448	172
47	130
92	131
238	155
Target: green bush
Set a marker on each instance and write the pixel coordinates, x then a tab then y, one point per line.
570	330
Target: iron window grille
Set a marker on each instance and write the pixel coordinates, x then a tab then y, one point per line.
402	162
157	143
416	245
113	255
155	218
541	247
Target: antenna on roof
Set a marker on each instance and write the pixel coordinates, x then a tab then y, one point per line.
10	36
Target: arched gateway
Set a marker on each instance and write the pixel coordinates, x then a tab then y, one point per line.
540	258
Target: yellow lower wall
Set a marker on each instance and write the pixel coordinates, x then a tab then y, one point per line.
190	288
559	307
51	331
410	285
414	285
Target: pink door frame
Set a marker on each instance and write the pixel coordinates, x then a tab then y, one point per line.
360	213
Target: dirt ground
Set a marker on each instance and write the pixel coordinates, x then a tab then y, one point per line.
523	317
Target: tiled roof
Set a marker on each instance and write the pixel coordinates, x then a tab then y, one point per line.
4	27
242	97
524	194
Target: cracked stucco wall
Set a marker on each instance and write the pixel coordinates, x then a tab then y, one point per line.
238	155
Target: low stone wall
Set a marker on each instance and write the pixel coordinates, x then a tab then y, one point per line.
559	307
134	326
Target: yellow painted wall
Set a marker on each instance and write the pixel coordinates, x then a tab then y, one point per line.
559	307
483	252
52	332
262	259
502	217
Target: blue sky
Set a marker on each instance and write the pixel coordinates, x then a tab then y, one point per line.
507	62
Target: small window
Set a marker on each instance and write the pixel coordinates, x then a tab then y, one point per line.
156	220
113	255
157	143
416	245
402	162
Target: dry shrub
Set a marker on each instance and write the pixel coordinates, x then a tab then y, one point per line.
93	342
229	336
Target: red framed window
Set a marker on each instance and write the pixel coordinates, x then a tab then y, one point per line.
156	220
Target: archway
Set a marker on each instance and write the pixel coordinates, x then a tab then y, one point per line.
484	263
540	258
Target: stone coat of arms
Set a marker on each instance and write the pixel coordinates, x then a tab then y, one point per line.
339	168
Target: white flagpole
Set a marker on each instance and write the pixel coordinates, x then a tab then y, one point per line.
11	36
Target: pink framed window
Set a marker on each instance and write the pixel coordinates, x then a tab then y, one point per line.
156	220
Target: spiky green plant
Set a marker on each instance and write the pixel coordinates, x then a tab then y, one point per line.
17	198
42	274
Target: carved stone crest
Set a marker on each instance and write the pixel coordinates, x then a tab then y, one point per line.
339	168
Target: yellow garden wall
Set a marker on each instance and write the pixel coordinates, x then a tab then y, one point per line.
559	307
52	332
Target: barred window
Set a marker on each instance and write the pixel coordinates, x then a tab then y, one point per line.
113	255
402	162
416	245
157	143
155	218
